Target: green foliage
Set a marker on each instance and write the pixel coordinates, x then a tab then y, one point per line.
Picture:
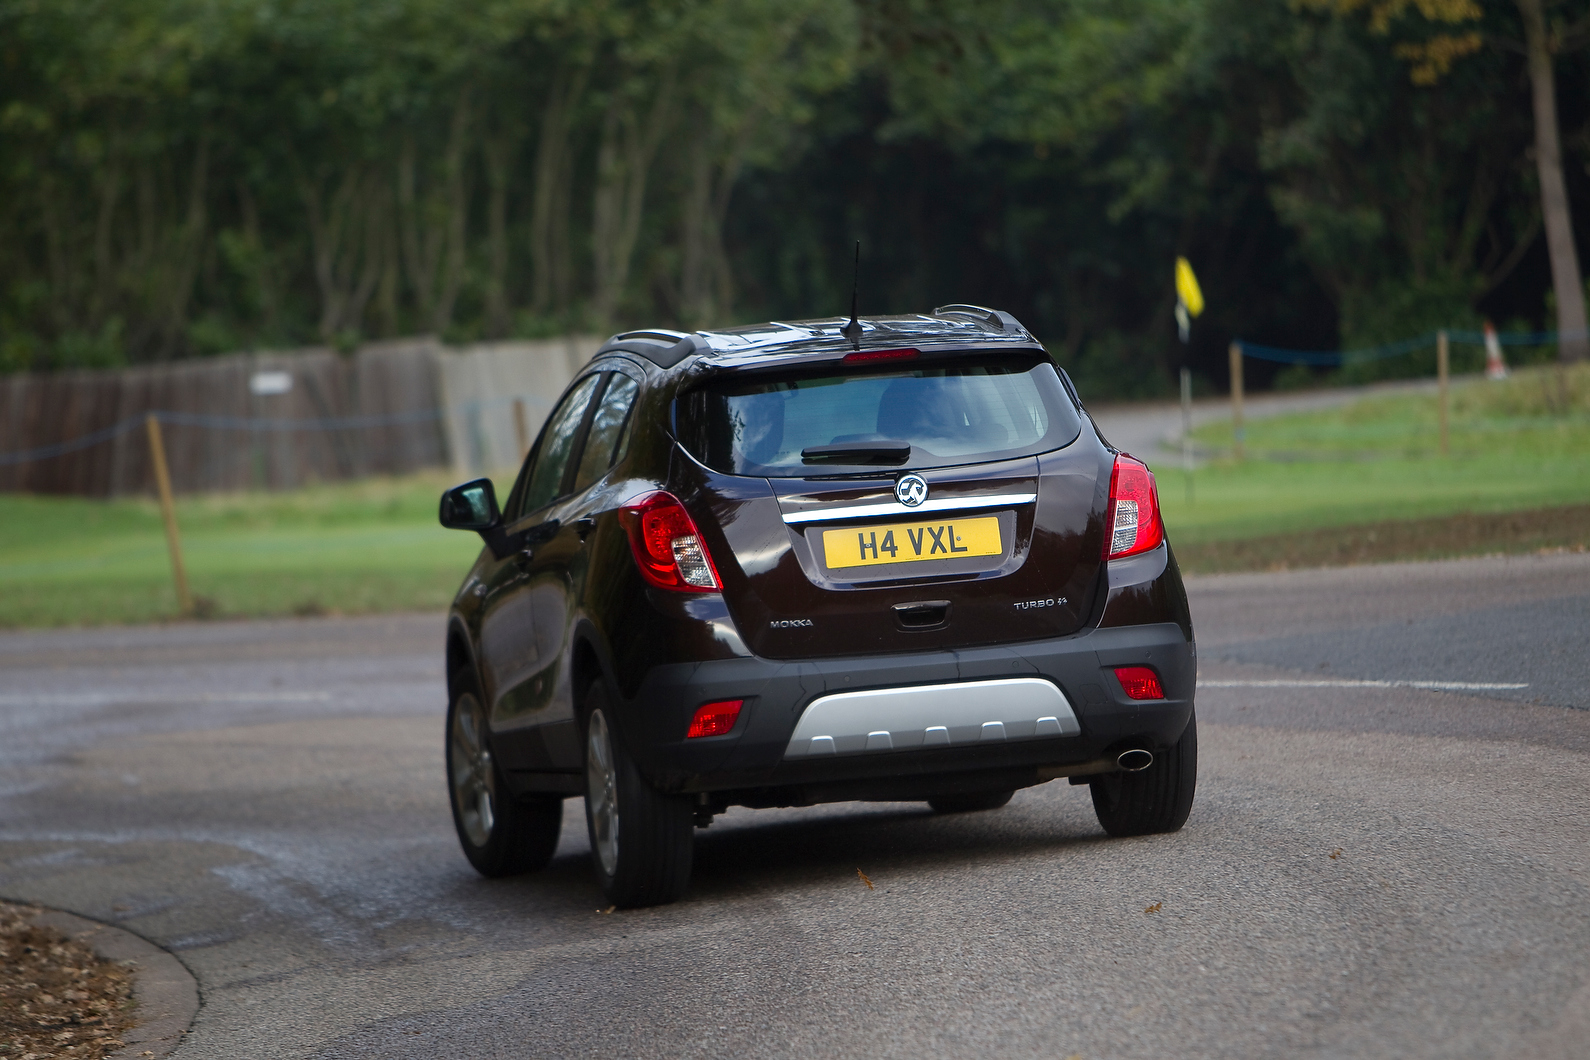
181	177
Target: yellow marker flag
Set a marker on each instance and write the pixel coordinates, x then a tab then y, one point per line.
1187	287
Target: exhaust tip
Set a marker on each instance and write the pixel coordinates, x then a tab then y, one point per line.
1135	761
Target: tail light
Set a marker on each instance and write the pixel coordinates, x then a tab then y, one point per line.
668	547
1133	521
1139	682
714	719
870	356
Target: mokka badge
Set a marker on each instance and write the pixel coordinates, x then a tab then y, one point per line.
911	490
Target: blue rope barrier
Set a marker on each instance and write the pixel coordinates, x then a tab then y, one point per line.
329	423
1332	358
1325	358
236	423
45	452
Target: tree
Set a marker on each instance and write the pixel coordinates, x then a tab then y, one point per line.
1432	60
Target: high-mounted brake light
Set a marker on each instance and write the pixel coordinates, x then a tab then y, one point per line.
1132	522
714	719
1139	682
866	356
667	546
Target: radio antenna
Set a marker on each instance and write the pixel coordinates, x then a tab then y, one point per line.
852	330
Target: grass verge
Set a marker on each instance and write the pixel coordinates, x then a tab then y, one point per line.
1333	477
1361	483
1444	537
331	549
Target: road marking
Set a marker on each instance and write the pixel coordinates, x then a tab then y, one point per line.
97	699
1437	686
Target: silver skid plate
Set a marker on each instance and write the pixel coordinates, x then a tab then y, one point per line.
923	716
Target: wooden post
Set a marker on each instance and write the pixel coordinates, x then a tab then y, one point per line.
168	512
521	430
1441	374
1237	430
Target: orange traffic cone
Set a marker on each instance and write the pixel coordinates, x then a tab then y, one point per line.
1495	367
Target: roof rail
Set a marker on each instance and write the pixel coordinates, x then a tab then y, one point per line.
655	335
981	312
662	348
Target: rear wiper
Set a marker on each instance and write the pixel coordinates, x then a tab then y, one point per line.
884	452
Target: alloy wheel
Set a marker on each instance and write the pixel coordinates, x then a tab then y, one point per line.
601	791
474	779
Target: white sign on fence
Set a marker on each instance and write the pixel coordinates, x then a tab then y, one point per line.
270	382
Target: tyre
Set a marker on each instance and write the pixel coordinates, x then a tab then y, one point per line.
501	835
980	800
641	839
1156	799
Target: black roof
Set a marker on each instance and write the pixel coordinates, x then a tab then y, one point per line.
951	325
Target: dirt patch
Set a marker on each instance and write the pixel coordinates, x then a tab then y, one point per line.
57	997
1464	534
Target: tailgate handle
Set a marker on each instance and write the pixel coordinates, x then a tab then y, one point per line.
923	614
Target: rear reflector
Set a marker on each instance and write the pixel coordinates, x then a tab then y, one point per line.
1139	682
714	719
667	546
862	357
1133	522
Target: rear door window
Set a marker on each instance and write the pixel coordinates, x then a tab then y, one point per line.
927	416
556	446
606	425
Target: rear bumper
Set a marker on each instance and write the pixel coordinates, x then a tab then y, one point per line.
757	761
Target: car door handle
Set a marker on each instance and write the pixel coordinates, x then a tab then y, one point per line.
523	559
584	526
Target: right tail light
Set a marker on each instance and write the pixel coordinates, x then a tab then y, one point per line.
1132	522
668	547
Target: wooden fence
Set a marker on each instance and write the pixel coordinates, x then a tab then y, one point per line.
278	420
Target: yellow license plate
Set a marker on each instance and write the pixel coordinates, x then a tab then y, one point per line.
865	546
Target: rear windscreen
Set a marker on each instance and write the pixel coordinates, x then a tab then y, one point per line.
951	414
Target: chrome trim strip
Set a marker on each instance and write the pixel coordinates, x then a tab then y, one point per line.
945	504
884	720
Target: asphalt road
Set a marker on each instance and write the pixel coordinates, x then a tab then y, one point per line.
1374	867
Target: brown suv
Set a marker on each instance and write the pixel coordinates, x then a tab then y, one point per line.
807	562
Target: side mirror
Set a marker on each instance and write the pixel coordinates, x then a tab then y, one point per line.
472	506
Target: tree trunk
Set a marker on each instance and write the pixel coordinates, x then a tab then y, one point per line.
431	233
551	270
184	253
629	144
457	191
497	150
706	284
1572	343
351	241
259	265
104	263
420	251
695	287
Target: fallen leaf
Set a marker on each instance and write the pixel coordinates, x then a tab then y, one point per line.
1153	908
1336	853
864	879
1074	1056
609	909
